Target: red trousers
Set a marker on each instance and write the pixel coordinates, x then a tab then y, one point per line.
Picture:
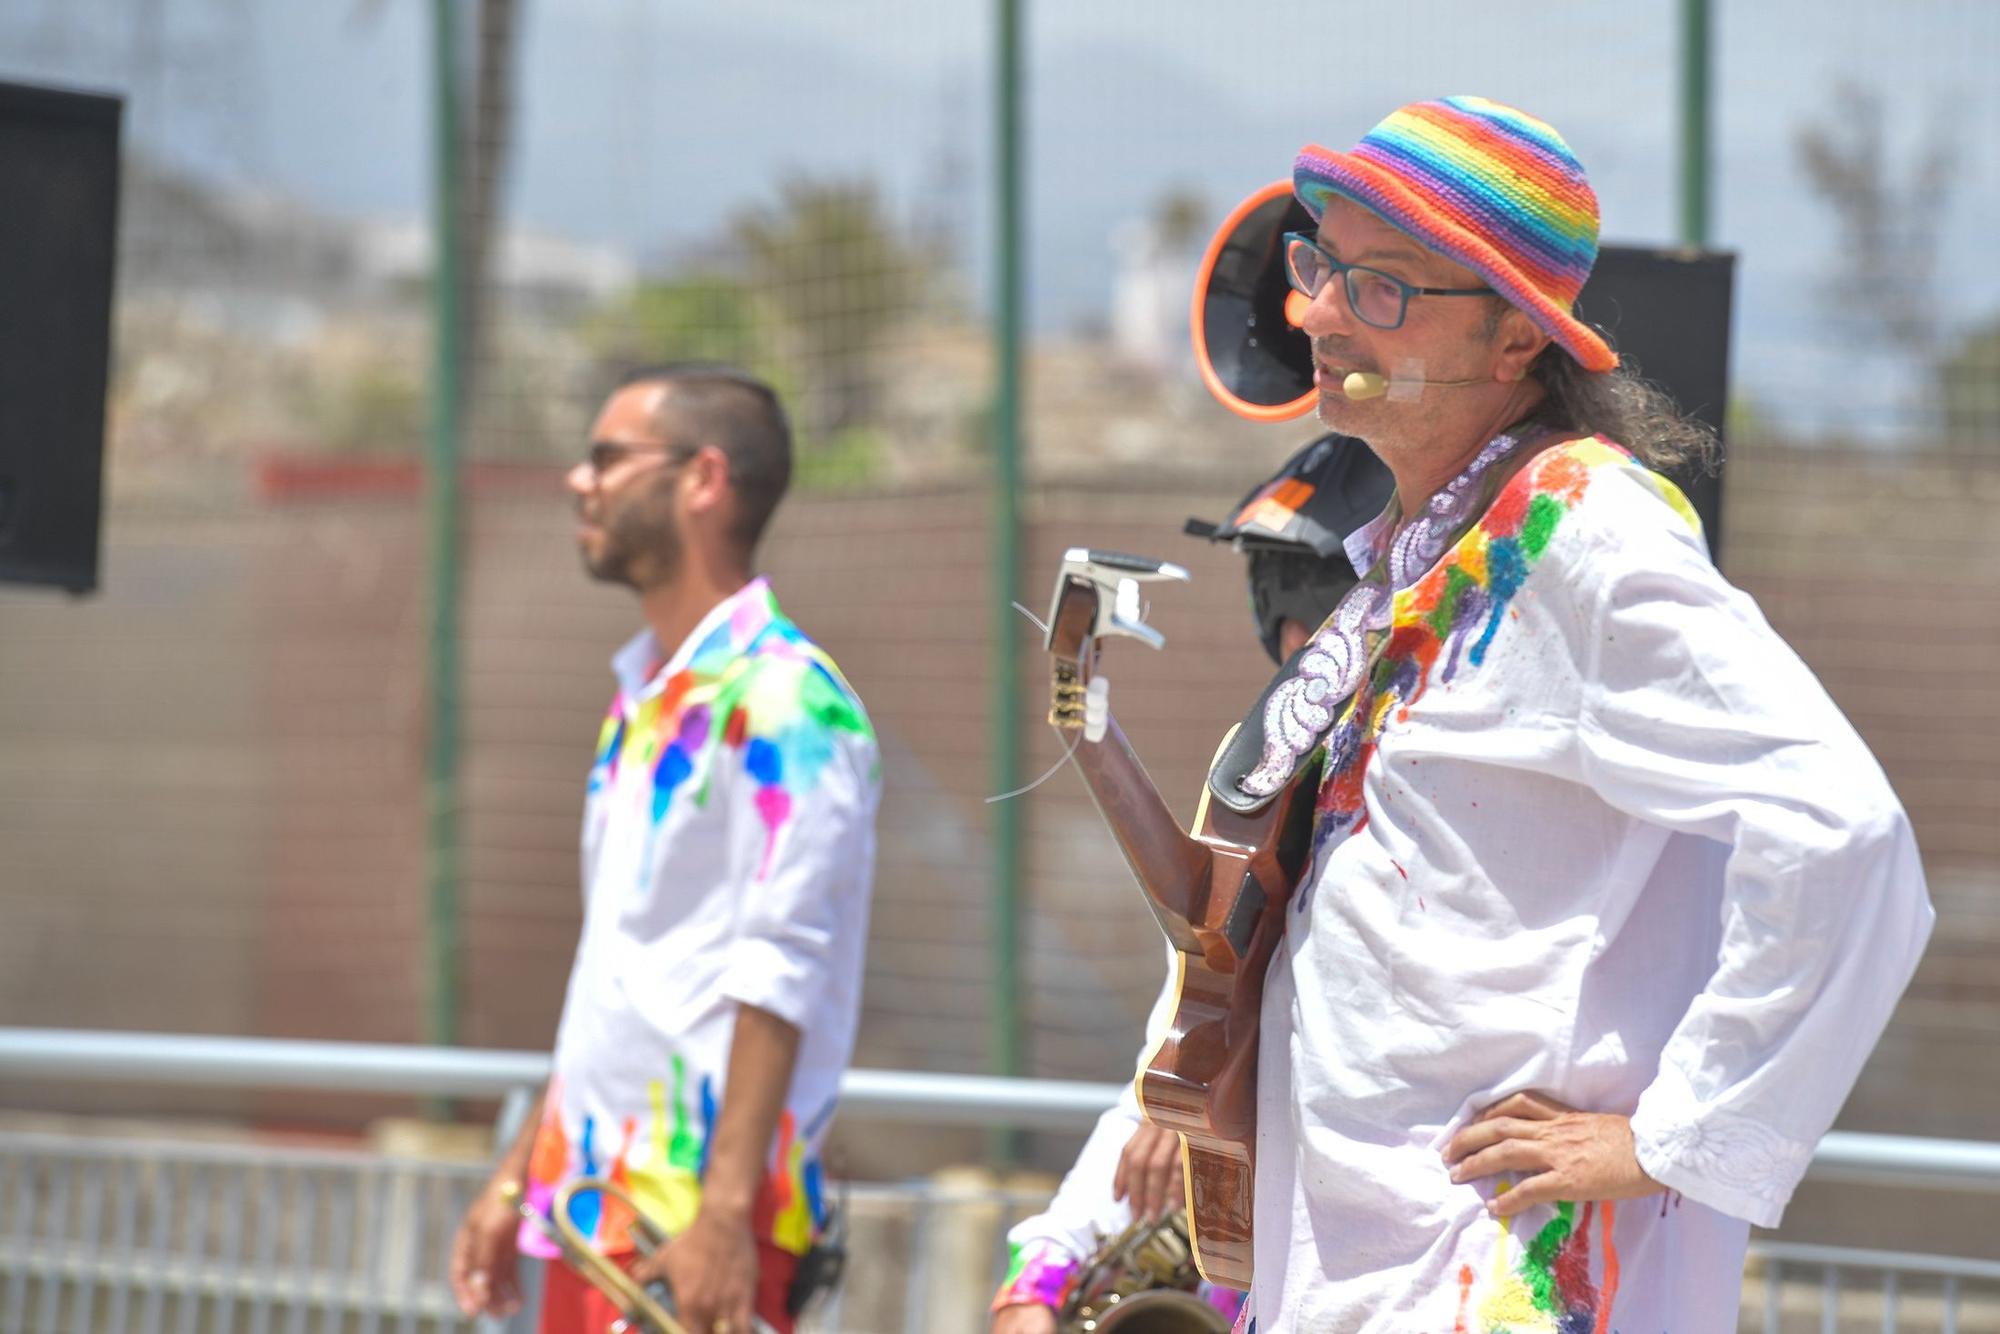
570	1305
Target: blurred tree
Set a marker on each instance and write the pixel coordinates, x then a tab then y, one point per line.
1968	384
1180	219
703	316
372	409
833	274
1887	270
700	317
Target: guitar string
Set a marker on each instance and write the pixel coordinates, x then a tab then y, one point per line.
1052	771
1084	665
1033	619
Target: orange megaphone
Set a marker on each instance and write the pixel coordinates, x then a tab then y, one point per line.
1245	319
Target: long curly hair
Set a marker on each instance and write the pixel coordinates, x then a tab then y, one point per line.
1620	406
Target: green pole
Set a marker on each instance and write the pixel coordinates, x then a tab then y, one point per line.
442	491
1695	56
1006	552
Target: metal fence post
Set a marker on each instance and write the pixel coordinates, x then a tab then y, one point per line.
1696	53
441	774
1006	544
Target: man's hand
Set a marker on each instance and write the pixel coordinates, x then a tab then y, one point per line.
1558	1152
1149	1172
484	1269
1024	1318
712	1269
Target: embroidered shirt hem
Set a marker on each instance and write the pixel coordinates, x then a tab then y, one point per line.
1718	1158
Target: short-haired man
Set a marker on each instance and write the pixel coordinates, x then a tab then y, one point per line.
1607	899
728	852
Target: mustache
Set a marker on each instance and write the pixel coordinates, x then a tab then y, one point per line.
1329	352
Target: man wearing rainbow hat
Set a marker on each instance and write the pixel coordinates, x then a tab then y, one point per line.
1608	902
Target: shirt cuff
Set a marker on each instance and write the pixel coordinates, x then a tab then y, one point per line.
1037	1276
1714	1157
763	974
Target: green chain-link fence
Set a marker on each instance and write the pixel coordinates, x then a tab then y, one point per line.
212	775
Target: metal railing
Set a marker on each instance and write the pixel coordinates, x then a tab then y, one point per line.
109	1235
459	1072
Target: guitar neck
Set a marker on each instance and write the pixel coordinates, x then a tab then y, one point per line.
1172	868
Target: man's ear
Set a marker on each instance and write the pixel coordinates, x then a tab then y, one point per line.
1517	343
706	478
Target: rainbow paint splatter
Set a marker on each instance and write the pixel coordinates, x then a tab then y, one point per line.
757	688
660	1164
1038	1275
1036	1278
1447	620
1550	1290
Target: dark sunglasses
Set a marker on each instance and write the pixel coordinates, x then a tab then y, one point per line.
604	455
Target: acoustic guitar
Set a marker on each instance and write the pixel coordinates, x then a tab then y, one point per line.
1219	894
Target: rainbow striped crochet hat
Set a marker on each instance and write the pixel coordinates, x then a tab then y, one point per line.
1488	186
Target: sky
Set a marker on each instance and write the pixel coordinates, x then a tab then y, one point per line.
646	124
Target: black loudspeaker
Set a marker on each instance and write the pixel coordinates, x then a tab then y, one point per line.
58	234
1667	312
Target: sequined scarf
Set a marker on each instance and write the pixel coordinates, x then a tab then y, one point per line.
1299	712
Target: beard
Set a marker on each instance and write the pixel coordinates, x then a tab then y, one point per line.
640	545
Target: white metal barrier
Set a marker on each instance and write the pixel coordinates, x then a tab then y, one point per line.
170	1237
118	1235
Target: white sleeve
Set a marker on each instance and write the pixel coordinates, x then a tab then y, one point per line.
1082	1213
801	856
1697	717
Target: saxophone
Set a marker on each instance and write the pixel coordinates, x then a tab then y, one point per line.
1142	1281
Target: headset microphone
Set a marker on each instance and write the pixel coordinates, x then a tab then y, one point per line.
1359	385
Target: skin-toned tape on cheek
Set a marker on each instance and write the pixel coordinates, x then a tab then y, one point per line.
1406	385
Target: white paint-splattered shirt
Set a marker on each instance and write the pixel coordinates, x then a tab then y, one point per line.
728	855
1595	831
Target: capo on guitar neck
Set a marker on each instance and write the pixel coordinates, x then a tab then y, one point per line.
1078	696
1115	577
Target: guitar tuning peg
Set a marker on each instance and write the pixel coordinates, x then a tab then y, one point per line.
1096	708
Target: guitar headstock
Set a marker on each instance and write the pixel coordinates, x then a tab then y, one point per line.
1096	597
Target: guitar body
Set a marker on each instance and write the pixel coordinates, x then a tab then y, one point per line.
1201	1077
1219	895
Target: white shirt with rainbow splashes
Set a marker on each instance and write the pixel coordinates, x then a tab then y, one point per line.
1594	831
728	858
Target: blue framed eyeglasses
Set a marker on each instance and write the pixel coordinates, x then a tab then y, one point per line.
1378	299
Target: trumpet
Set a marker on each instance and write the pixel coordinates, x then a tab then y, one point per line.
643	1308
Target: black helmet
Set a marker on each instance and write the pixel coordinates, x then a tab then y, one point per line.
1292	527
